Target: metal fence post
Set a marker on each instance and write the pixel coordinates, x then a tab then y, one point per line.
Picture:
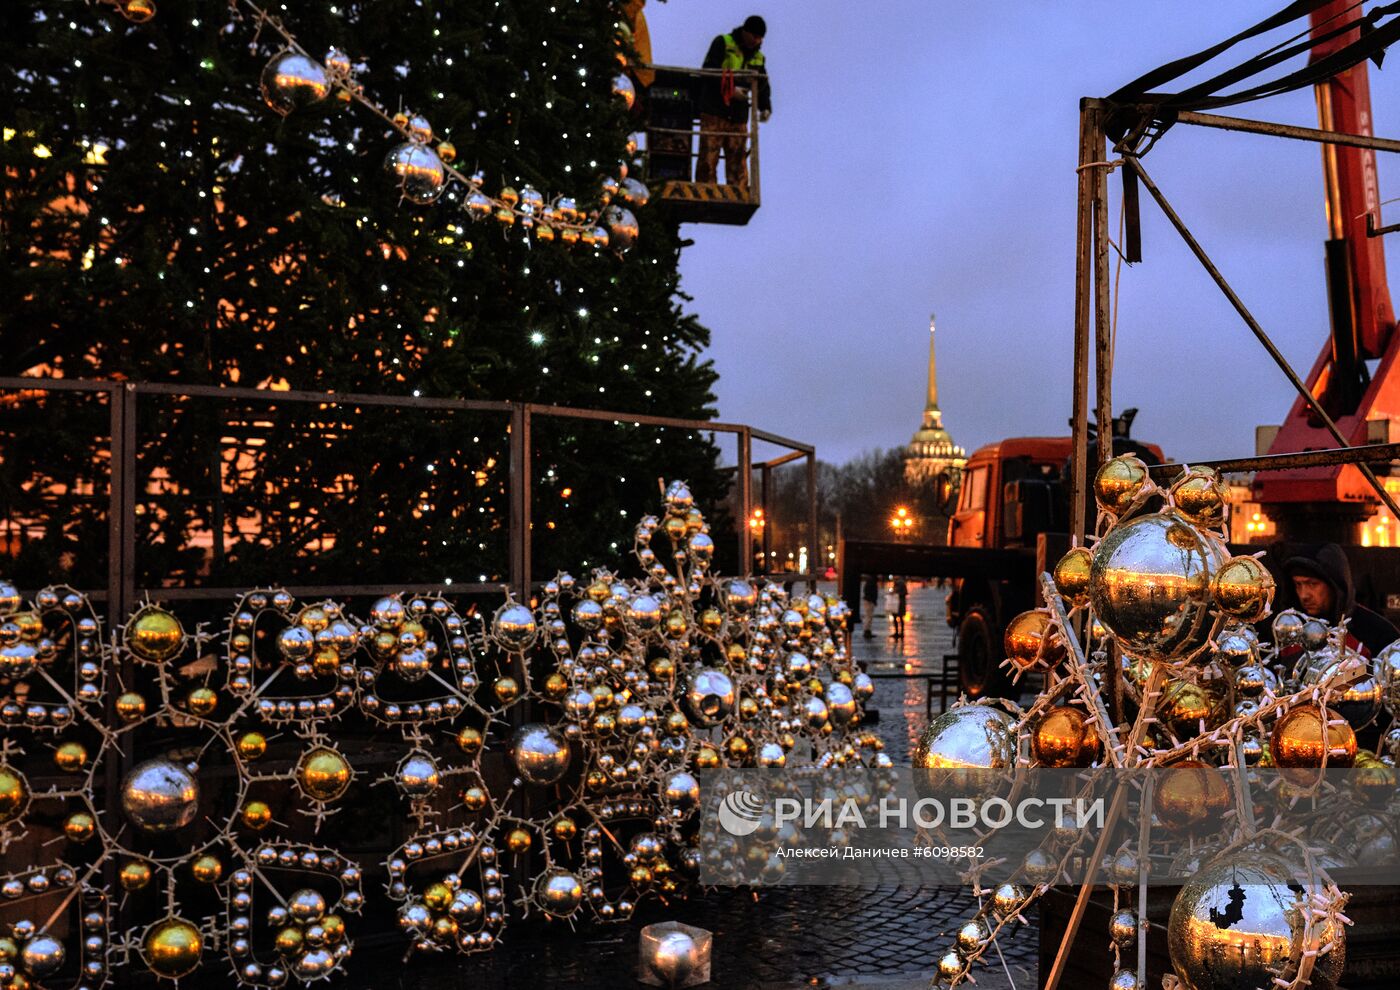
520	504
745	565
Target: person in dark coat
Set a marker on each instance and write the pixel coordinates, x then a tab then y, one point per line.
1323	585
870	594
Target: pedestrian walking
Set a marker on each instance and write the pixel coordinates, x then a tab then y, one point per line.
901	595
869	595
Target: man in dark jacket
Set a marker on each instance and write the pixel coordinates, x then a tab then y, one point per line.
1323	586
724	102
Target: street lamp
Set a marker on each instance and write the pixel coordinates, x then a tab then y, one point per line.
902	522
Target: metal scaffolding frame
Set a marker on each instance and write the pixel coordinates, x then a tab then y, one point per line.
1093	307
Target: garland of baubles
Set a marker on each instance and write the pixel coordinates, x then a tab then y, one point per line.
166	794
1159	595
421	164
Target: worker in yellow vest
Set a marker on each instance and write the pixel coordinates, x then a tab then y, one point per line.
725	102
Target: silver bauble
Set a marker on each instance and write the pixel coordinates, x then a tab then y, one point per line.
540	754
1149	584
291	81
417	171
160	795
710	697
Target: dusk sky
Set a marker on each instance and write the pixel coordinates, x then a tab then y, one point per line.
921	159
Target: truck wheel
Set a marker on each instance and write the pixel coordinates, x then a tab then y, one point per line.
980	674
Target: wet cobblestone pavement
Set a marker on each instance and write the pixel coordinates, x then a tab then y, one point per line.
883	937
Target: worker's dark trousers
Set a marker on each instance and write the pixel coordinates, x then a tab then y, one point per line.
718	133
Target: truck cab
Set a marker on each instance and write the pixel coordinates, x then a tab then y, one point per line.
1013	493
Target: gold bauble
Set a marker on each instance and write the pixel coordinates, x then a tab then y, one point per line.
1297	742
1031	641
134	874
474	798
506	689
1235	923
555	685
711	620
1372	781
202	701
738	748
596	781
326	661
207	869
1243	588
469	740
677	724
1191	795
447	151
734	653
707	758
1184	706
70	757
172	948
1201	497
256	815
599	591
138	11
1118	482
79	827
518	841
130	706
288	940
9	949
603	697
1064	738
748	708
663	669
445	928
14	794
415	629
675	624
155	635
313	617
384	644
251	745
1072	576
334	927
564	828
437	896
324	774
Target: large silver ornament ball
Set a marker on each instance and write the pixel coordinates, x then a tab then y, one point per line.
41	956
558	892
418	775
514	626
622	226
973	737
292	81
1149	584
710	697
1236	923
674	958
160	795
540	754
417	171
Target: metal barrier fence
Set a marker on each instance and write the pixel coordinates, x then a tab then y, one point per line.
131	484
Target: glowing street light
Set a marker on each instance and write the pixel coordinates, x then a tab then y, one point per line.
756	521
902	522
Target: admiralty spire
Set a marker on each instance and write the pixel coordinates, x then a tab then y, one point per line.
931	452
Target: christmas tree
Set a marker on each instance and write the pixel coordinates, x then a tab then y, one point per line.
161	223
